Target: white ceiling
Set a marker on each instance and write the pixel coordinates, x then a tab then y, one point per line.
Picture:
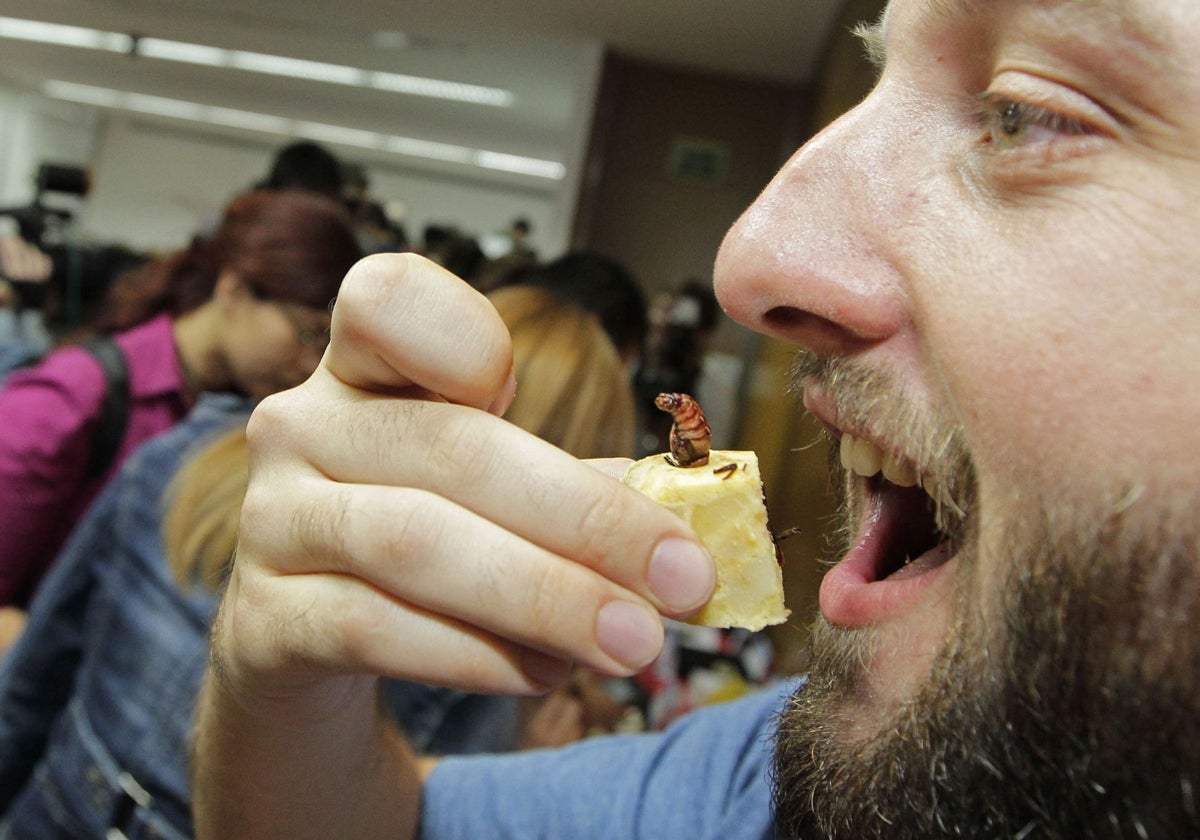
544	51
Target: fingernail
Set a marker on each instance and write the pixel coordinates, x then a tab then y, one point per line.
681	575
505	398
630	634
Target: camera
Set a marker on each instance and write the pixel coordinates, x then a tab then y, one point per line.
38	222
81	273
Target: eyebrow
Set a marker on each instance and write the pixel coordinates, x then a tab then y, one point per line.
1137	27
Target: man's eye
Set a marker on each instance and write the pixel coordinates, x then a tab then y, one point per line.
1010	124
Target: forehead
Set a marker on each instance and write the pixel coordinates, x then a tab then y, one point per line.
1148	50
1164	26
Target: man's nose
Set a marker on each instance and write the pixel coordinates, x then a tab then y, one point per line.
811	260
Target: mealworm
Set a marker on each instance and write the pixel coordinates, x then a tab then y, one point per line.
690	434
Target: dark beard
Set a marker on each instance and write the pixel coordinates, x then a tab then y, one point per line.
1076	714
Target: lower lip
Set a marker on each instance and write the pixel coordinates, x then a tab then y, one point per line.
849	598
852	597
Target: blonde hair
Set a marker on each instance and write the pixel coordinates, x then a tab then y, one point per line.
571	386
203	503
572	392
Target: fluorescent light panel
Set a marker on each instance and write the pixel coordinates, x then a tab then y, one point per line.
67	36
342	135
179	51
277	65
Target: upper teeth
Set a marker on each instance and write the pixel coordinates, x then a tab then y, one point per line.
867	459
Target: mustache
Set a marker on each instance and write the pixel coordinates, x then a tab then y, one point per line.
876	402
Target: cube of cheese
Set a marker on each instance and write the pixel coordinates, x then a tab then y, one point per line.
723	503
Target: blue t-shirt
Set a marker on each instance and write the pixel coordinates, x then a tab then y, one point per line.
705	778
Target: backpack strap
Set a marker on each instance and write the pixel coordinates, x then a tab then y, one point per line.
114	413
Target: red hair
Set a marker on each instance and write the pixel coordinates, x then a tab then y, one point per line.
288	245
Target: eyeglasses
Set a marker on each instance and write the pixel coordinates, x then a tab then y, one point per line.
311	329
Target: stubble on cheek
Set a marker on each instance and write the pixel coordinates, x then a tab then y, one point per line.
868	678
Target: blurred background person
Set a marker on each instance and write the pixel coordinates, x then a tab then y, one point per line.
23	329
309	166
96	696
518	234
602	286
449	247
53	297
510	246
245	309
51	283
378	230
681	326
572	391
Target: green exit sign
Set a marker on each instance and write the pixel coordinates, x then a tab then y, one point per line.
698	161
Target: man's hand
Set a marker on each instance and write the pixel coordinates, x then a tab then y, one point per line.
395	525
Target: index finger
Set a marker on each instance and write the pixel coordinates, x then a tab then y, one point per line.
449	342
509	477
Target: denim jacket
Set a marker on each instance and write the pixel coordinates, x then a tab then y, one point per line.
97	695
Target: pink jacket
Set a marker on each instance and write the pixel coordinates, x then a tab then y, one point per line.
46	417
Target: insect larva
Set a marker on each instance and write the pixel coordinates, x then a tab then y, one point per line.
690	434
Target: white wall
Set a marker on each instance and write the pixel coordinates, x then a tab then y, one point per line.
156	182
34	129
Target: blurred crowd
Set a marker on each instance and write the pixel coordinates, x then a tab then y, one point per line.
126	385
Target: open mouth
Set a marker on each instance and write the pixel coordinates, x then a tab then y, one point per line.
904	537
899	534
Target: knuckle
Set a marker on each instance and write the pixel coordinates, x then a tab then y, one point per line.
360	631
368	298
257	505
318	528
599	521
413	527
374	274
456	445
270	421
545	596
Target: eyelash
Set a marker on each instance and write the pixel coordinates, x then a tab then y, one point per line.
1007	121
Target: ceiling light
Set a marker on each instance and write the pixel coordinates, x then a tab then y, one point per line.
266	123
163	107
297	68
248	120
83	94
277	65
179	51
428	149
419	86
67	36
339	134
522	165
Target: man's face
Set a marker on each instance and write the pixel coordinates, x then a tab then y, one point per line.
992	260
